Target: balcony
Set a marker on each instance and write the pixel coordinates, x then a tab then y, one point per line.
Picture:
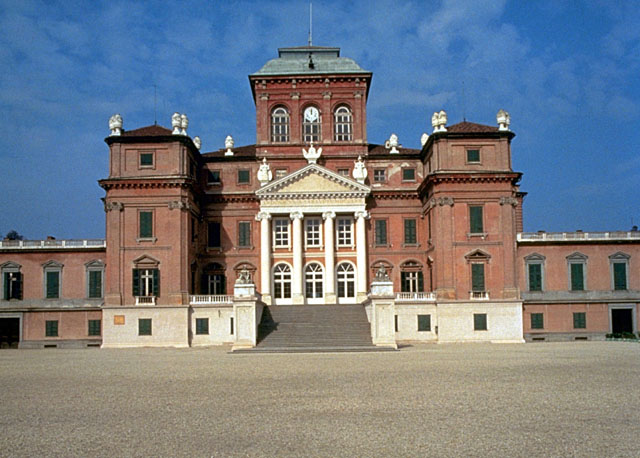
416	297
145	300
52	244
211	299
479	295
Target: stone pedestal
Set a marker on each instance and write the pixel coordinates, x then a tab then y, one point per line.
383	314
247	311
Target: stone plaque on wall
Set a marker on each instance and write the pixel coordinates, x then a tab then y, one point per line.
118	320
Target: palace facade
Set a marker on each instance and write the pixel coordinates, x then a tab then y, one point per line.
429	242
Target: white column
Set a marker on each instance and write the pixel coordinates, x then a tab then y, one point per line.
329	259
361	254
296	276
265	256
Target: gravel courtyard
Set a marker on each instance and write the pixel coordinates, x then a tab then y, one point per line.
565	399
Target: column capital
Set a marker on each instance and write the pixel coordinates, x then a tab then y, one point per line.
263	215
296	215
363	214
329	214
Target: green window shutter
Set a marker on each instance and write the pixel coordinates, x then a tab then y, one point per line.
410	231
473	155
146	224
204	284
95	283
94	327
537	321
53	285
479	321
136	282
579	320
144	326
475	220
619	275
5	294
577	277
381	232
424	323
477	277
404	282
244	234
535	277
51	328
202	325
156	282
420	282
18	286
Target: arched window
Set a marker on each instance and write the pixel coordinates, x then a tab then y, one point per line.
279	125
342	124
346	278
282	281
313	279
213	279
311	125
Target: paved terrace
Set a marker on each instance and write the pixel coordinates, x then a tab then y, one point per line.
569	399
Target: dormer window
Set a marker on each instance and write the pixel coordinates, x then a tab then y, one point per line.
342	124
279	125
311	125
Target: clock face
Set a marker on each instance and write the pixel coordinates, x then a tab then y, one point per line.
311	114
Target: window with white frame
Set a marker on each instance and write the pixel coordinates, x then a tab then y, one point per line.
312	230
346	279
342	124
281	232
577	271
344	229
311	125
146	282
411	277
619	271
534	264
280	125
213	279
11	281
52	279
282	281
95	276
313	281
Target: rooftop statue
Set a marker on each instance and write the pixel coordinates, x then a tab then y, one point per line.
115	124
504	120
176	123
264	173
360	171
312	154
393	144
228	143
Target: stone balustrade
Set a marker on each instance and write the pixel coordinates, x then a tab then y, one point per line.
51	244
145	300
210	299
416	297
577	236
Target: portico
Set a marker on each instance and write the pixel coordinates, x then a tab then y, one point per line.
313	238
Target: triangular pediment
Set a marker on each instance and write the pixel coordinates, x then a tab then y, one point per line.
313	180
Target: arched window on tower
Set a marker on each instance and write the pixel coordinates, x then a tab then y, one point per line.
311	125
342	124
279	125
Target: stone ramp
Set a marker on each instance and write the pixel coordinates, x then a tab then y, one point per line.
314	328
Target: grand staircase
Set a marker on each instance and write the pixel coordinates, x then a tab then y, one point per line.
314	328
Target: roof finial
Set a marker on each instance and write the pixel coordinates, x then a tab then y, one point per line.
310	23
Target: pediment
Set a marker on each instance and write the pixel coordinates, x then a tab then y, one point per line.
313	180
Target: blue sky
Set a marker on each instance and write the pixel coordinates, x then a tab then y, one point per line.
568	72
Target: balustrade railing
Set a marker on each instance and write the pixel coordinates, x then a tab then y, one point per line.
211	299
479	295
577	236
48	244
145	300
417	297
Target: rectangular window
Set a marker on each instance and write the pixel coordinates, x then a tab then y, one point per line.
619	276
244	176
281	232
202	326
537	321
410	237
535	277
343	172
244	234
51	328
53	284
345	236
475	220
577	276
473	155
312	231
411	282
213	177
408	174
479	321
213	235
146	160
144	326
12	286
94	328
95	284
194	227
281	173
231	325
379	175
146	282
477	277
424	323
580	320
381	232
146	224
395	323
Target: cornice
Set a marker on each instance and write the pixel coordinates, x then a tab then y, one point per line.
145	183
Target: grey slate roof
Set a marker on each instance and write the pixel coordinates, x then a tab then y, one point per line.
295	61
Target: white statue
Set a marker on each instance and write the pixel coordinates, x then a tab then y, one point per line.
434	121
438	121
176	123
264	173
184	123
360	171
228	143
312	154
424	138
197	142
115	124
392	143
504	120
